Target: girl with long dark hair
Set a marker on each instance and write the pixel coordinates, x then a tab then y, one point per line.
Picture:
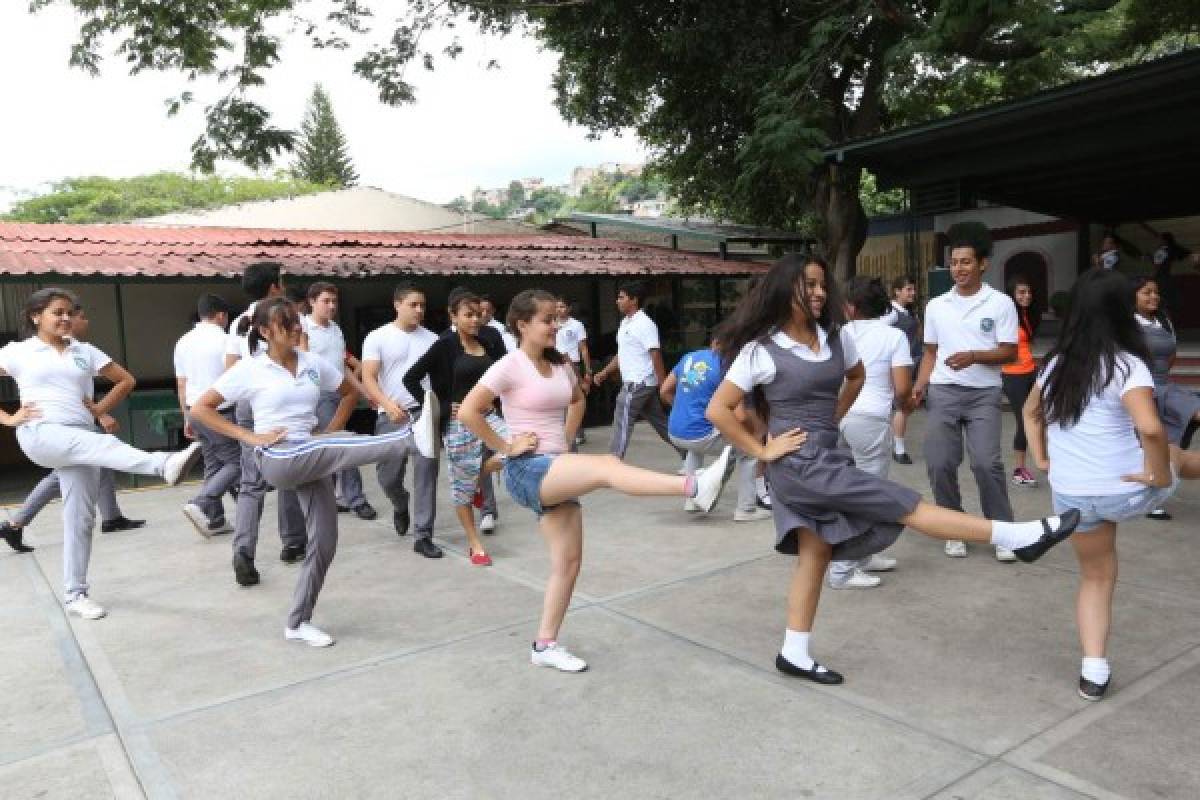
788	349
903	315
543	406
56	428
1094	427
1018	377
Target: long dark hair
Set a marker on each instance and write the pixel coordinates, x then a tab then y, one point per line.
276	310
1138	282
1028	318
1099	325
522	309
40	300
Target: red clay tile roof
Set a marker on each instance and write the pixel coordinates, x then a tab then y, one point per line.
202	252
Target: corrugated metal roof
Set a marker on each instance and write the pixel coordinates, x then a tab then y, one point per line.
139	251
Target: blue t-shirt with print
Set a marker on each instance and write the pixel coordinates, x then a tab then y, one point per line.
697	376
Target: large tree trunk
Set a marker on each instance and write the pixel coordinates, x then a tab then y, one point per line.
843	221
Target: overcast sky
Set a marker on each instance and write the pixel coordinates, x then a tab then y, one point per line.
470	126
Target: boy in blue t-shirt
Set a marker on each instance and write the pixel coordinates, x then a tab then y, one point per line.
687	390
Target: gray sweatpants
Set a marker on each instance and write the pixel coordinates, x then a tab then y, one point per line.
348	482
637	401
252	494
697	449
308	468
955	413
222	469
48	488
390	471
869	440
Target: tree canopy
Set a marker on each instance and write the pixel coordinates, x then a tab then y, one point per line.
323	156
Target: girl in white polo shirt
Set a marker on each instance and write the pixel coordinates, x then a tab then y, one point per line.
283	387
56	427
1093	425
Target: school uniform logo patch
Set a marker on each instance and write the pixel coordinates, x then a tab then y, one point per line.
81	362
987	324
312	376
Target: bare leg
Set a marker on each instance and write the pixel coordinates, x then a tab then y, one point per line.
562	528
466	518
1186	463
573	475
899	424
812	559
944	523
1019	459
1097	553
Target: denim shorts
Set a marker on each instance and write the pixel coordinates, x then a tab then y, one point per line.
1095	509
523	475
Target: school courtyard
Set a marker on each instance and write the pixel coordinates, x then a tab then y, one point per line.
960	682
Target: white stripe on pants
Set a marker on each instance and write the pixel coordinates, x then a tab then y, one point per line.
870	442
697	449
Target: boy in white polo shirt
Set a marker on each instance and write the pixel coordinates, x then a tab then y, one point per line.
571	341
970	332
323	336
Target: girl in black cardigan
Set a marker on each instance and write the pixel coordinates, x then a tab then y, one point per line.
454	364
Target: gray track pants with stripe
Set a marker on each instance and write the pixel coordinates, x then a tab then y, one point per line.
637	401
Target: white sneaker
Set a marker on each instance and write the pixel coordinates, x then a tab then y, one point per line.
754	515
487	523
309	634
177	464
956	549
425	428
84	606
880	563
690	506
199	519
857	580
710	481
557	656
1004	554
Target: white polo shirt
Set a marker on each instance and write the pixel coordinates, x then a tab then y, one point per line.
239	346
200	359
754	365
510	341
636	337
278	398
57	382
326	341
568	338
396	351
956	324
881	347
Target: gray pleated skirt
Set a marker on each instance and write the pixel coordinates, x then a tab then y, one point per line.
819	488
1177	406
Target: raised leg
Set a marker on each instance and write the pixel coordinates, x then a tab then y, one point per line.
573	475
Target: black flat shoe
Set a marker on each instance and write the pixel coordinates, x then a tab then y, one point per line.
12	537
1032	552
826	677
1160	514
120	524
1092	691
902	458
427	548
243	570
343	509
401	521
291	554
365	511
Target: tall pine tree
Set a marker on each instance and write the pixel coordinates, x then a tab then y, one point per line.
322	155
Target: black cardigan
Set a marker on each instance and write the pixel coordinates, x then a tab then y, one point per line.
438	364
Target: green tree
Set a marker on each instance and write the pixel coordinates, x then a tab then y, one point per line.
516	194
878	202
98	199
322	155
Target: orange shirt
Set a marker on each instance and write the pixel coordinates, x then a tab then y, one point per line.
1024	363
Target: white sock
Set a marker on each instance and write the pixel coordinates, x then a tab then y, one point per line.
898	445
795	649
1096	670
760	485
1011	535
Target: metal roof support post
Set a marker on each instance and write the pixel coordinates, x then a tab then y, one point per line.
592	225
674	241
723	248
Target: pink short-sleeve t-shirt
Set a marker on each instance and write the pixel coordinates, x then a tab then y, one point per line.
532	403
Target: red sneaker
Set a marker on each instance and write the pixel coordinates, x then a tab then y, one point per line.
481	559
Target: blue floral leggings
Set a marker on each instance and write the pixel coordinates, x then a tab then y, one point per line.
464	457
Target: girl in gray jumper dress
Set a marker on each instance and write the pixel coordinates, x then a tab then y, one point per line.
788	350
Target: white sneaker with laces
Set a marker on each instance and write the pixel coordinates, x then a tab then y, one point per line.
557	656
880	563
857	580
956	549
309	634
1005	555
425	428
177	464
710	481
754	515
690	506
83	606
487	523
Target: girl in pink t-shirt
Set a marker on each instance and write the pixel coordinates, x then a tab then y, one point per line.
543	406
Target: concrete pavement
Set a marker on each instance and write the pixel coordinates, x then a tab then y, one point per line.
960	673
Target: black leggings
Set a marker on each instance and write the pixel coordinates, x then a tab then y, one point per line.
1017	389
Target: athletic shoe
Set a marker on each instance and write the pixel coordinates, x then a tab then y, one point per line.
309	634
753	515
218	527
427	548
955	549
291	554
481	559
121	523
400	521
880	563
902	458
365	511
1023	477
763	499
425	429
243	569
199	519
557	656
857	580
816	673
1066	526
1160	514
1005	555
487	523
343	509
689	505
178	464
12	536
83	606
1092	691
711	480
